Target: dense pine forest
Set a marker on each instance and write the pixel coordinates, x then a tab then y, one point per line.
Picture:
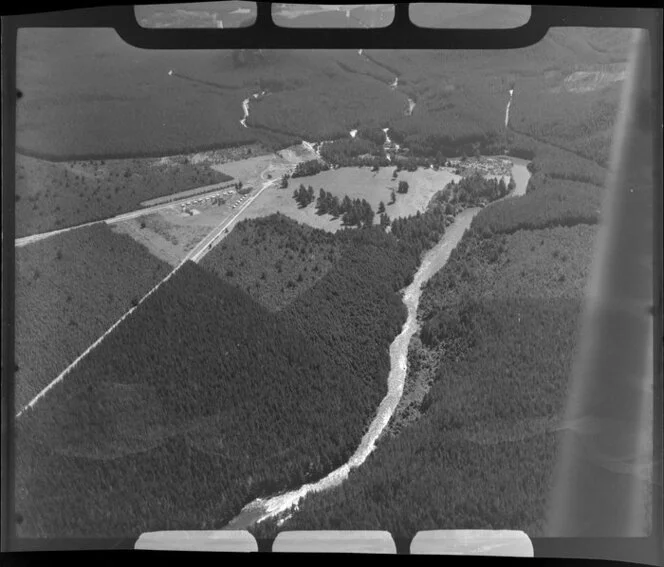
51	196
202	400
310	167
70	289
134	430
553	203
274	259
499	323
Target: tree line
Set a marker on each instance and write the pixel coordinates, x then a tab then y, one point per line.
310	167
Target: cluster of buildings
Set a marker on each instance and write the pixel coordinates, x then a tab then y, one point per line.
207	200
219	198
498	166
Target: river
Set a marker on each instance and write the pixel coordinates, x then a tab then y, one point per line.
411	106
261	509
245	108
507	110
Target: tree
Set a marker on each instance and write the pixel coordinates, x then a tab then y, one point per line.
393	198
512	184
502	188
403	187
322	202
384	221
335	207
381	207
284	181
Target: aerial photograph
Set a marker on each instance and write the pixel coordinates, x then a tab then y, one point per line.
301	289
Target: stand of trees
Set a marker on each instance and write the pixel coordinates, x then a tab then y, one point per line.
373	135
304	196
554	203
310	167
353	212
475	188
353	151
274	258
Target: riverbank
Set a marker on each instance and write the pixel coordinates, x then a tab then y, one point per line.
262	509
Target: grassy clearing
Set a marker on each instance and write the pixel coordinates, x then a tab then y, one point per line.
357	183
69	289
247	169
168	234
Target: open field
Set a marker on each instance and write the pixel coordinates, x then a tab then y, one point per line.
357	183
169	234
247	170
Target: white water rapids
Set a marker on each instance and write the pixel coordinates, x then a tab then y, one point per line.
262	509
507	110
411	106
245	108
